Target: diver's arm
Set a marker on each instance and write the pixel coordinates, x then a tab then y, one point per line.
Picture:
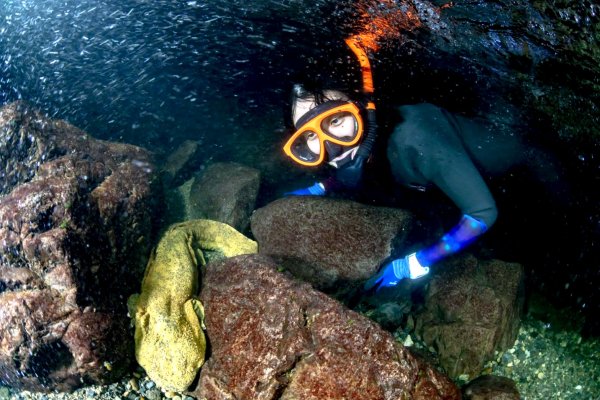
455	174
460	180
426	148
417	264
457	238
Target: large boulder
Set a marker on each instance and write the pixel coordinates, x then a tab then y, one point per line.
274	337
325	241
225	192
472	308
491	387
75	227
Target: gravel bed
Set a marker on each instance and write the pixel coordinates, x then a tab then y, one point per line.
545	363
136	386
548	364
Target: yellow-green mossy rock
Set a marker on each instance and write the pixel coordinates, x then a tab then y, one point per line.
169	341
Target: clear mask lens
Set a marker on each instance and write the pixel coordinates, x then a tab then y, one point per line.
307	146
342	126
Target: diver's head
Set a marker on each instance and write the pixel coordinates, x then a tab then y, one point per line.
329	126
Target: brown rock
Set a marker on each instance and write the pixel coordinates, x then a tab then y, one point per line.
273	337
490	387
225	192
324	241
75	225
33	321
472	308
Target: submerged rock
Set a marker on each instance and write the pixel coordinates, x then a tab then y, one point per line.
225	192
490	387
75	227
179	165
325	241
273	337
472	308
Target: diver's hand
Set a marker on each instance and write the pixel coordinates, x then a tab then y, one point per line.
318	189
395	271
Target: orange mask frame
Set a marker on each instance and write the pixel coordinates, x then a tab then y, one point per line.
314	124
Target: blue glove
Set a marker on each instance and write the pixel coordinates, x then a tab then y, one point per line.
315	190
395	271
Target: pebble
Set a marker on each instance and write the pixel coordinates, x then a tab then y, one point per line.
549	364
546	369
134	384
153	394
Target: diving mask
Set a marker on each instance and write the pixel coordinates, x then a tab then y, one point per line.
334	122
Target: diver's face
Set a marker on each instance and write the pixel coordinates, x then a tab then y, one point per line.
342	125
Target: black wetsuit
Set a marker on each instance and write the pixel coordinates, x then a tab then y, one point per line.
434	147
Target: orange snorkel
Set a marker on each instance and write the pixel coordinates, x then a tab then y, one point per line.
354	42
352	174
367	76
380	19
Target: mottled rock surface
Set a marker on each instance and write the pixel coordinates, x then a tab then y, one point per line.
225	192
324	241
75	225
490	387
472	308
538	56
273	337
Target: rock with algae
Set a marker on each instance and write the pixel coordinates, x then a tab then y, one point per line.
169	341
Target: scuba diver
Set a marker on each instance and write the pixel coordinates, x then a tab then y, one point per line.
428	147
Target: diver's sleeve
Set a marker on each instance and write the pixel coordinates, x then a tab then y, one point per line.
426	149
456	176
429	144
460	180
460	236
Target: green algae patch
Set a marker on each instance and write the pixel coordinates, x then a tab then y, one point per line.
169	341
